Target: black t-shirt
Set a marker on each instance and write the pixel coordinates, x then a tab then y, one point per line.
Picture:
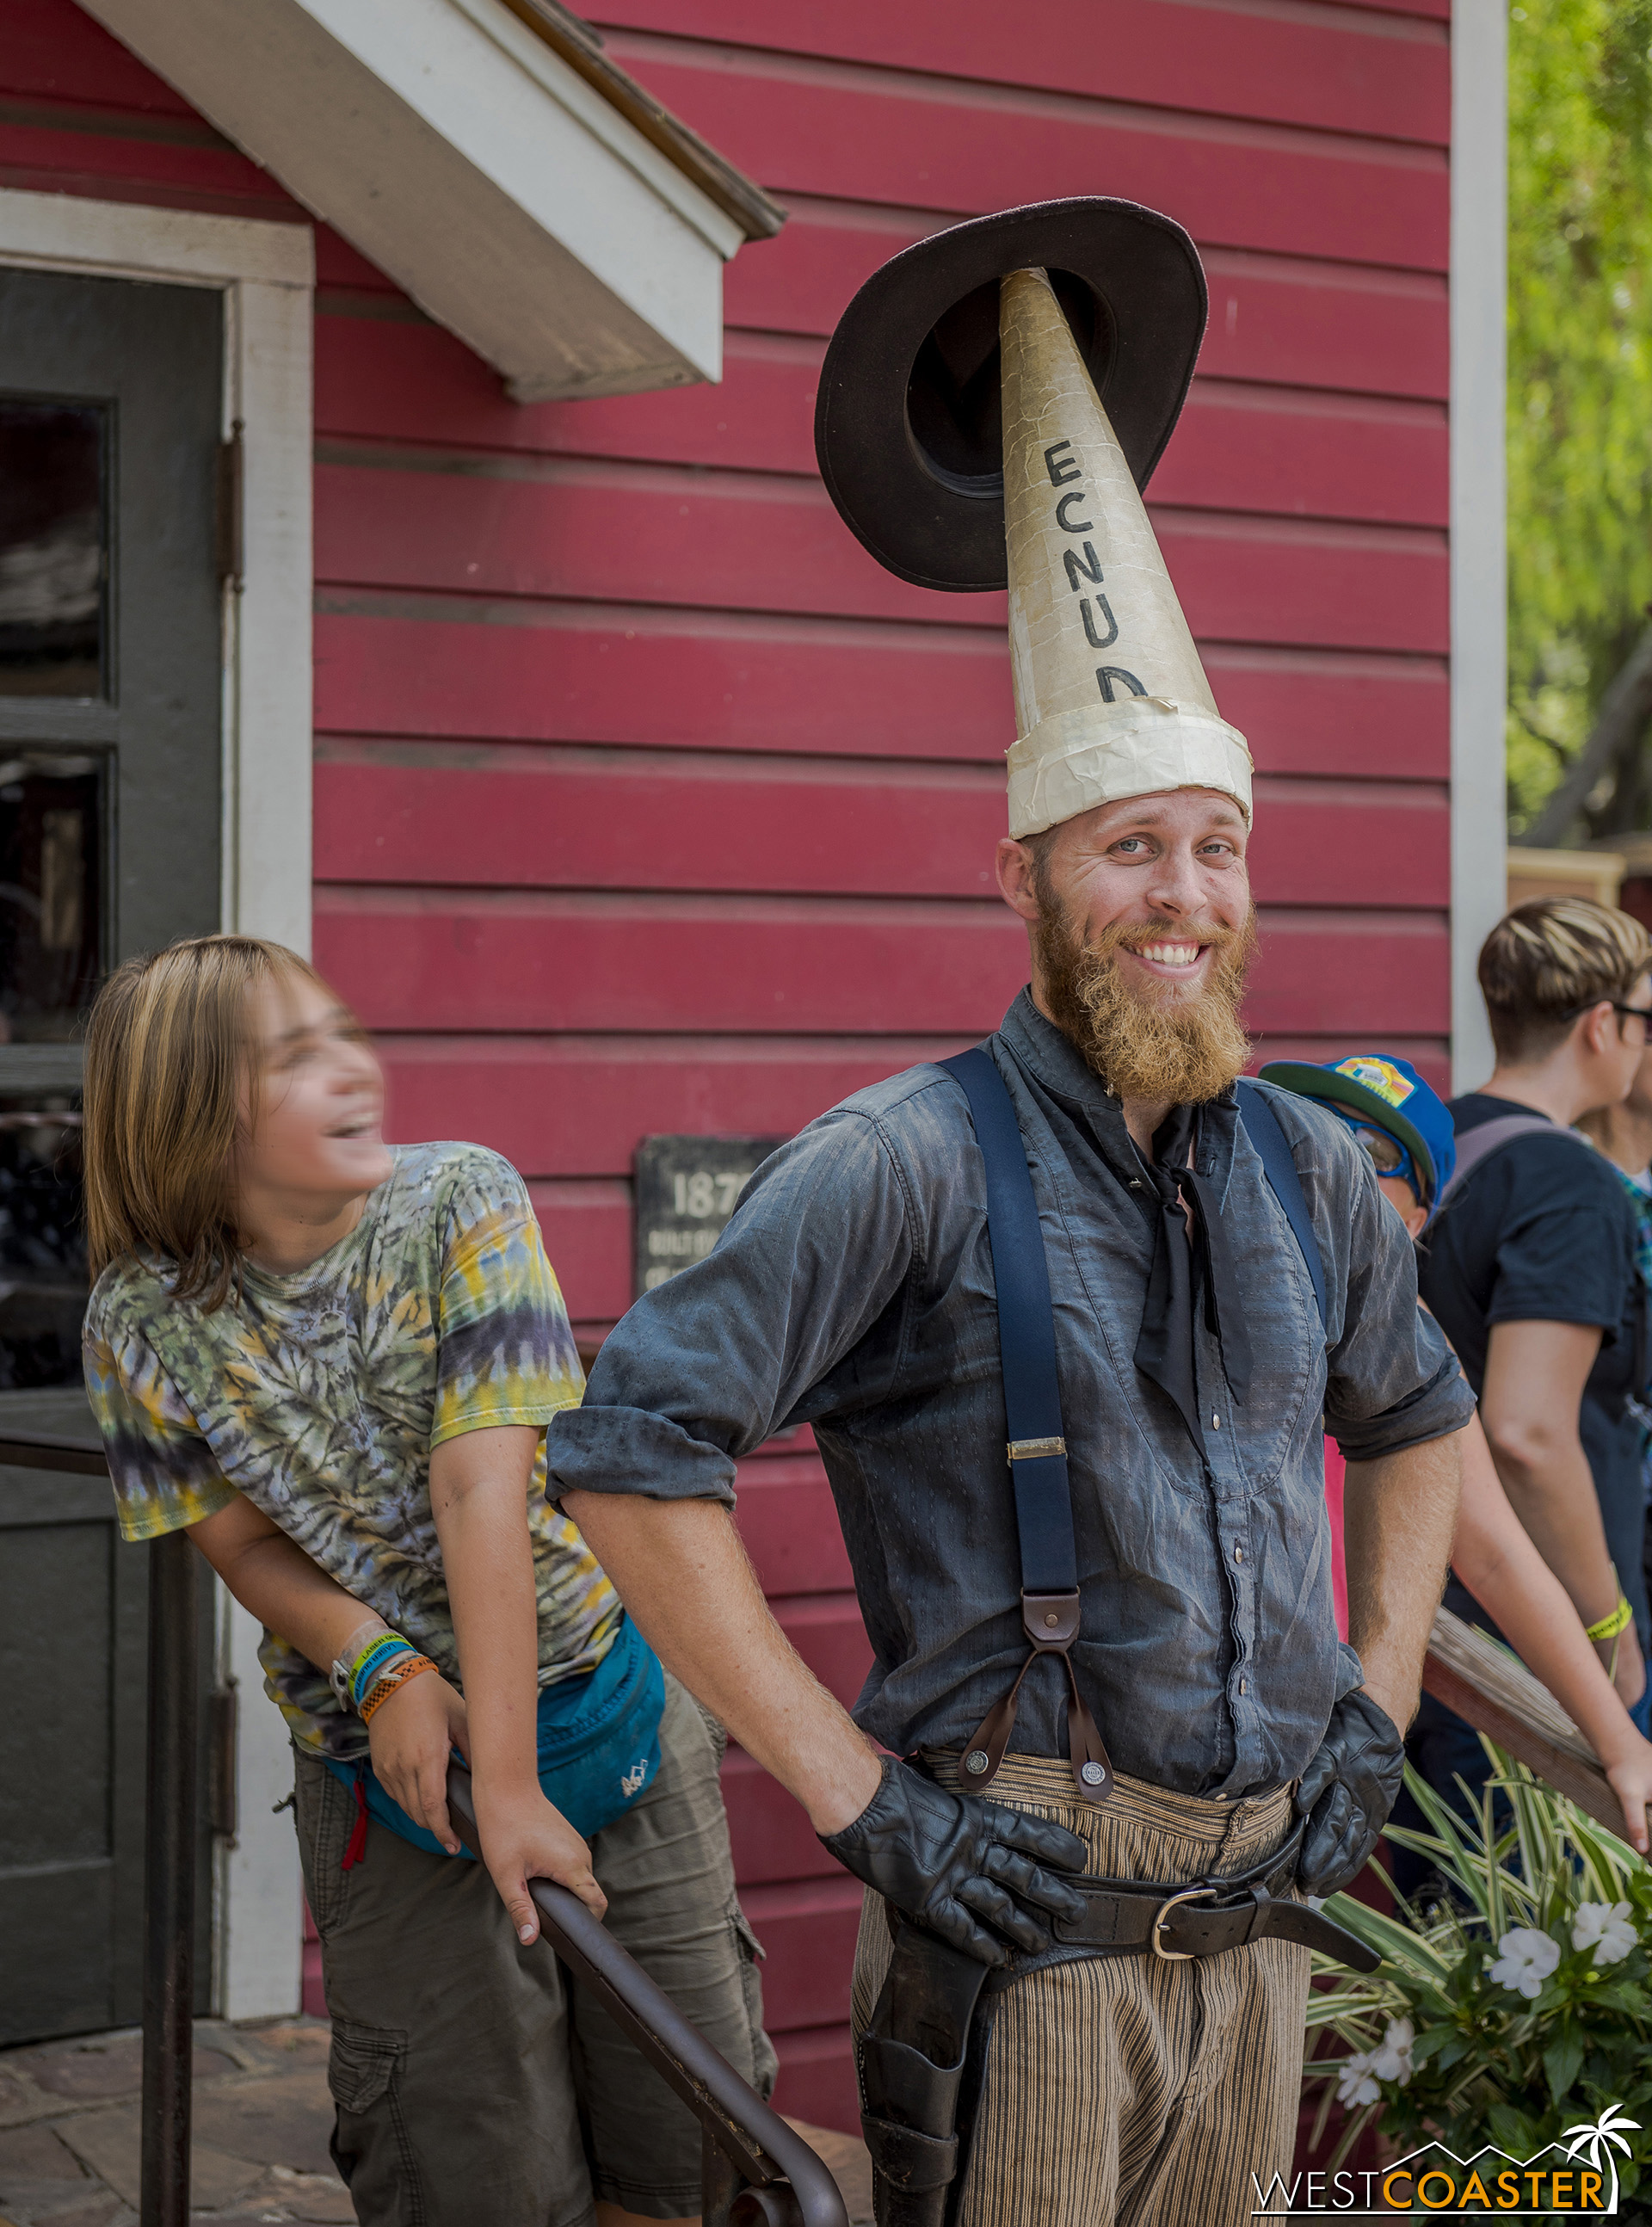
1543	1231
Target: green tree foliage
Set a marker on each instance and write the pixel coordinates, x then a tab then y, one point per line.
1579	383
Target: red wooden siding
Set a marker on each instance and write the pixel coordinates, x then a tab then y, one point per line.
645	800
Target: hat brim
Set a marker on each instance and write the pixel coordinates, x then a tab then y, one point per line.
1309	1081
910	449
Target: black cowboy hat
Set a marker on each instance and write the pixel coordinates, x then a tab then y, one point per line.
908	424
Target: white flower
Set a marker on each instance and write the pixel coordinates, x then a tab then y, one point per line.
1354	2084
1392	2060
1525	1959
1357	2082
1609	1925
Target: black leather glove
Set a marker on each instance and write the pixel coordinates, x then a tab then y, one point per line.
947	1859
1347	1792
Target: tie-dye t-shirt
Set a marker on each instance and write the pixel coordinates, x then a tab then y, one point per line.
320	1396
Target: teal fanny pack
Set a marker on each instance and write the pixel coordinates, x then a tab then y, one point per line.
598	1745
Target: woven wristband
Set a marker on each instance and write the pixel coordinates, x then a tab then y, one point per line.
373	1663
403	1675
1610	1626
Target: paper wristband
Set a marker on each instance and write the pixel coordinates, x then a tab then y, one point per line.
1610	1626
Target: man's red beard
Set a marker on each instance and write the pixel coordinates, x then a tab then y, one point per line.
1172	1048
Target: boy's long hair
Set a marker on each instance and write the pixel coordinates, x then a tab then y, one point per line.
168	1049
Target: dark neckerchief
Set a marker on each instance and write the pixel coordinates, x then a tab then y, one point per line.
1187	1263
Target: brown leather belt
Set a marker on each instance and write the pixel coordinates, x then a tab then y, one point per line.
921	2056
1203	1919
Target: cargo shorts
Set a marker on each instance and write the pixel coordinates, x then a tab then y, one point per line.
475	2080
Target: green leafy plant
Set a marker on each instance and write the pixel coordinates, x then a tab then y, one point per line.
1517	2010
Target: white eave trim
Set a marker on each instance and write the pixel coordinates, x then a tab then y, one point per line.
599	117
474	167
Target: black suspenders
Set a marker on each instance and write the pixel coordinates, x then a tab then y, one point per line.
1038	1445
1032	1400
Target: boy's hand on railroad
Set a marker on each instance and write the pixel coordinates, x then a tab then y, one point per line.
1629	1775
525	1837
413	1731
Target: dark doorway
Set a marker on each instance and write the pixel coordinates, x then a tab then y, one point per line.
111	812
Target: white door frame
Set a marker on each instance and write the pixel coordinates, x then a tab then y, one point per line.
1479	503
266	274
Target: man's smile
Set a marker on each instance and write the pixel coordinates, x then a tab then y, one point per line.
1173	959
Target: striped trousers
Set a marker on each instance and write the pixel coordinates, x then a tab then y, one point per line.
1125	2091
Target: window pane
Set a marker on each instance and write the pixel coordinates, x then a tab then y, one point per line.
53	536
51	942
51	895
42	1241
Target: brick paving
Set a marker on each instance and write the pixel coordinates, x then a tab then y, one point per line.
69	2131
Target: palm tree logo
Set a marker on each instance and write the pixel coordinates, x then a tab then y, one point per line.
1599	2141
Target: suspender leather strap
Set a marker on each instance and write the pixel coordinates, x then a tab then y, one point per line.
1037	1446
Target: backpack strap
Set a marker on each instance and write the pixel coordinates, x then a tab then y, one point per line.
1481	1144
1474	1149
1273	1150
1038	1445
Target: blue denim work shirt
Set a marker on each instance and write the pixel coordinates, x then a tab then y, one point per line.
853	1291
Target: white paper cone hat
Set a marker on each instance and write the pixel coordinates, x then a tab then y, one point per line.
1111	700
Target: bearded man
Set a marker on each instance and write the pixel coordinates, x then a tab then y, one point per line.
1204	1753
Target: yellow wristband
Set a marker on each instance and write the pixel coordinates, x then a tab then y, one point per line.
1610	1626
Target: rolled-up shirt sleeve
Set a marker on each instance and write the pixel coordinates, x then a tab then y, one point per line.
1392	1381
708	1365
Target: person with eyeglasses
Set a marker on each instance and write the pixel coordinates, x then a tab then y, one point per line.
1531	1268
1405	1131
1623	1134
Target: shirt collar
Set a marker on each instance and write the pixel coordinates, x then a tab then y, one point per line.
1053	1059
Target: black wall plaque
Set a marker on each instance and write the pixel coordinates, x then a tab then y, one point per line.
685	1189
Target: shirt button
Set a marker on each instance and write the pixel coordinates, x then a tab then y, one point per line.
1239	1553
1241	1685
1216	1422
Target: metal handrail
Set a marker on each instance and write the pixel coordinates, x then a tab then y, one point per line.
58	1450
173	1717
757	2172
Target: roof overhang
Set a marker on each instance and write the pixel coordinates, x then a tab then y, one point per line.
574	240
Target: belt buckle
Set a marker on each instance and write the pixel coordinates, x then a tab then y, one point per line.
1176	1955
